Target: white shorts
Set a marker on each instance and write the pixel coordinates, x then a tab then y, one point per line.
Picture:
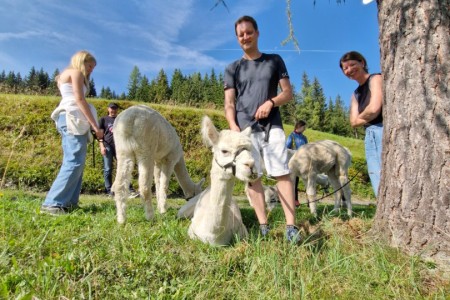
272	154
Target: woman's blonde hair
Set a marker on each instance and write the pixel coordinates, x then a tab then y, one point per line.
77	62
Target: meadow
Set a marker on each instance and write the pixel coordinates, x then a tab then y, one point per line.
87	255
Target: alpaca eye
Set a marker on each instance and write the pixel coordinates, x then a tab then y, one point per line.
225	151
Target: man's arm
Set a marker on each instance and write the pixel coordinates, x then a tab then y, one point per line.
286	93
282	98
230	108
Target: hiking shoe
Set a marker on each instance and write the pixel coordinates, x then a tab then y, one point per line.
264	229
292	234
54	210
133	195
297	203
110	194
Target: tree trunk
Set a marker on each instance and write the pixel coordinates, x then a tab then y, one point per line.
413	211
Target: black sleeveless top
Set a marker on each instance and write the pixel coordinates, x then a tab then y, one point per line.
362	95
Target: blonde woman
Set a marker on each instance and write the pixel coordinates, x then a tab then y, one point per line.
74	119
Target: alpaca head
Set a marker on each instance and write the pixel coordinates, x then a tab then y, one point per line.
232	151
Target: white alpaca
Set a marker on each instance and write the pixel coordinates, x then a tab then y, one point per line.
326	157
271	192
143	136
216	215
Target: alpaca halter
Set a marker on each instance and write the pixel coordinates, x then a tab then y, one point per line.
231	164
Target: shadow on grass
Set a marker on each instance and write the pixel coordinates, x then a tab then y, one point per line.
96	208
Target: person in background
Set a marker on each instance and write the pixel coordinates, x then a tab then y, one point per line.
74	118
366	110
252	100
108	149
294	141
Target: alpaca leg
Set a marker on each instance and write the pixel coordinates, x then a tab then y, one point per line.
166	171
121	183
156	178
311	193
334	181
347	194
145	186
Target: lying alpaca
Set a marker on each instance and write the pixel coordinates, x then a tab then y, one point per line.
326	157
216	215
141	134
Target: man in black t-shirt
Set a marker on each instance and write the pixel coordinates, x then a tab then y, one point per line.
255	86
108	149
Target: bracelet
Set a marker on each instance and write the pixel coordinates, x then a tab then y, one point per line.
273	103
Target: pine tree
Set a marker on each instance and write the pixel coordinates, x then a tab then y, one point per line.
288	110
31	82
106	93
176	87
2	76
162	90
10	82
144	91
133	83
193	89
92	90
318	107
43	81
53	86
304	101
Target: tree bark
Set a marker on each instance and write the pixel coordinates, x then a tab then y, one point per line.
413	210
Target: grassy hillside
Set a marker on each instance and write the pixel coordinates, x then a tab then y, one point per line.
33	160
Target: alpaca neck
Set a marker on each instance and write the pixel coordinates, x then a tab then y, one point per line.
220	196
221	188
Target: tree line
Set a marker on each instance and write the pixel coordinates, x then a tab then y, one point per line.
197	90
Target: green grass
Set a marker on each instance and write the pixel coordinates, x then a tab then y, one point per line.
87	255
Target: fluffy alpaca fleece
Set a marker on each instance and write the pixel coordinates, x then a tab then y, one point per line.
326	157
143	136
271	192
216	217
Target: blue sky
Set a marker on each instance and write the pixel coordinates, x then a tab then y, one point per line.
185	34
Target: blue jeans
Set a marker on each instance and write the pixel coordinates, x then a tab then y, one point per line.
65	190
108	167
373	145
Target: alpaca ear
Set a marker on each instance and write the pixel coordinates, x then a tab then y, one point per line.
209	132
247	131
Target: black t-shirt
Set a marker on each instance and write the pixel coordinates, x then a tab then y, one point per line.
362	95
107	123
255	81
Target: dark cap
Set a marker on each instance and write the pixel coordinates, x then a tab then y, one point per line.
113	105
